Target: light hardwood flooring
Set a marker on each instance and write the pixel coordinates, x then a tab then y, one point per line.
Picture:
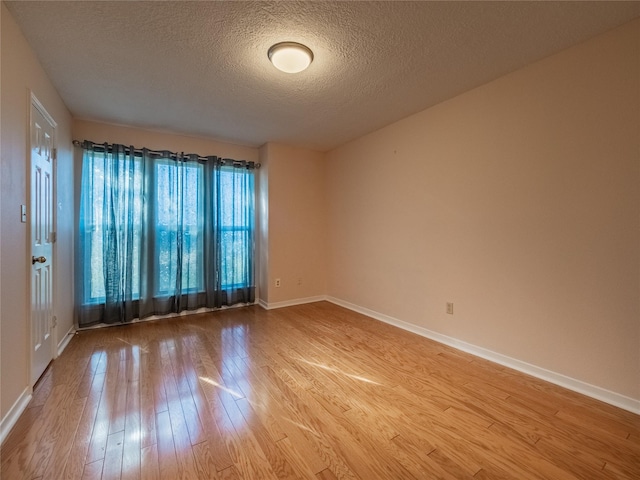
313	391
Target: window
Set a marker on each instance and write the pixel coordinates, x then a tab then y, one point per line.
161	233
94	233
178	221
236	228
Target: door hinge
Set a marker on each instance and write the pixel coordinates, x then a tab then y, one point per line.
54	237
54	153
54	322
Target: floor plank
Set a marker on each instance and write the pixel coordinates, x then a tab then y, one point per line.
307	392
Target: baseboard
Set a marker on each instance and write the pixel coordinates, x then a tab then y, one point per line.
559	379
184	313
21	403
14	413
291	303
65	341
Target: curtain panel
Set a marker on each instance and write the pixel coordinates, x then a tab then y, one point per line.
161	232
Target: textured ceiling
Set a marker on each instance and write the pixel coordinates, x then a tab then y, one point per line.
201	67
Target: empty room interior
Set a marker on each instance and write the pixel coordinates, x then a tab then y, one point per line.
324	240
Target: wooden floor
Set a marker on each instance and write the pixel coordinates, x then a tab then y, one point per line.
312	391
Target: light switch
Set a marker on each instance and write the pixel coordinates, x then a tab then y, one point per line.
23	213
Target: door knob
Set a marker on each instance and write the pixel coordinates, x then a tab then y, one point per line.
35	260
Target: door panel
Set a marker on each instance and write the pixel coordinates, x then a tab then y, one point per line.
42	168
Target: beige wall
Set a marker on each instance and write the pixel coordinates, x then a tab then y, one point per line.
294	245
20	74
519	201
262	224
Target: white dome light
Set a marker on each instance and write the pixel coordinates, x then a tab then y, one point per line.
290	57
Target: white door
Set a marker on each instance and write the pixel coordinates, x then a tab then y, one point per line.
42	158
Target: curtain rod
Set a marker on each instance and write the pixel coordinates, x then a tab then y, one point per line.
172	155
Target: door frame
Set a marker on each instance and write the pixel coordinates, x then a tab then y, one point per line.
34	102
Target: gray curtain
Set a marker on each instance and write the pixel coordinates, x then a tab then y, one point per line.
161	233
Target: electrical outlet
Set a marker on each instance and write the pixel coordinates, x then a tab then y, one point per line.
450	308
277	283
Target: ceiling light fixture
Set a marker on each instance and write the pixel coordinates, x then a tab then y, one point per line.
290	57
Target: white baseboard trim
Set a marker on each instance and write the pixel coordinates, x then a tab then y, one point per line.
65	341
291	303
14	413
184	313
559	379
